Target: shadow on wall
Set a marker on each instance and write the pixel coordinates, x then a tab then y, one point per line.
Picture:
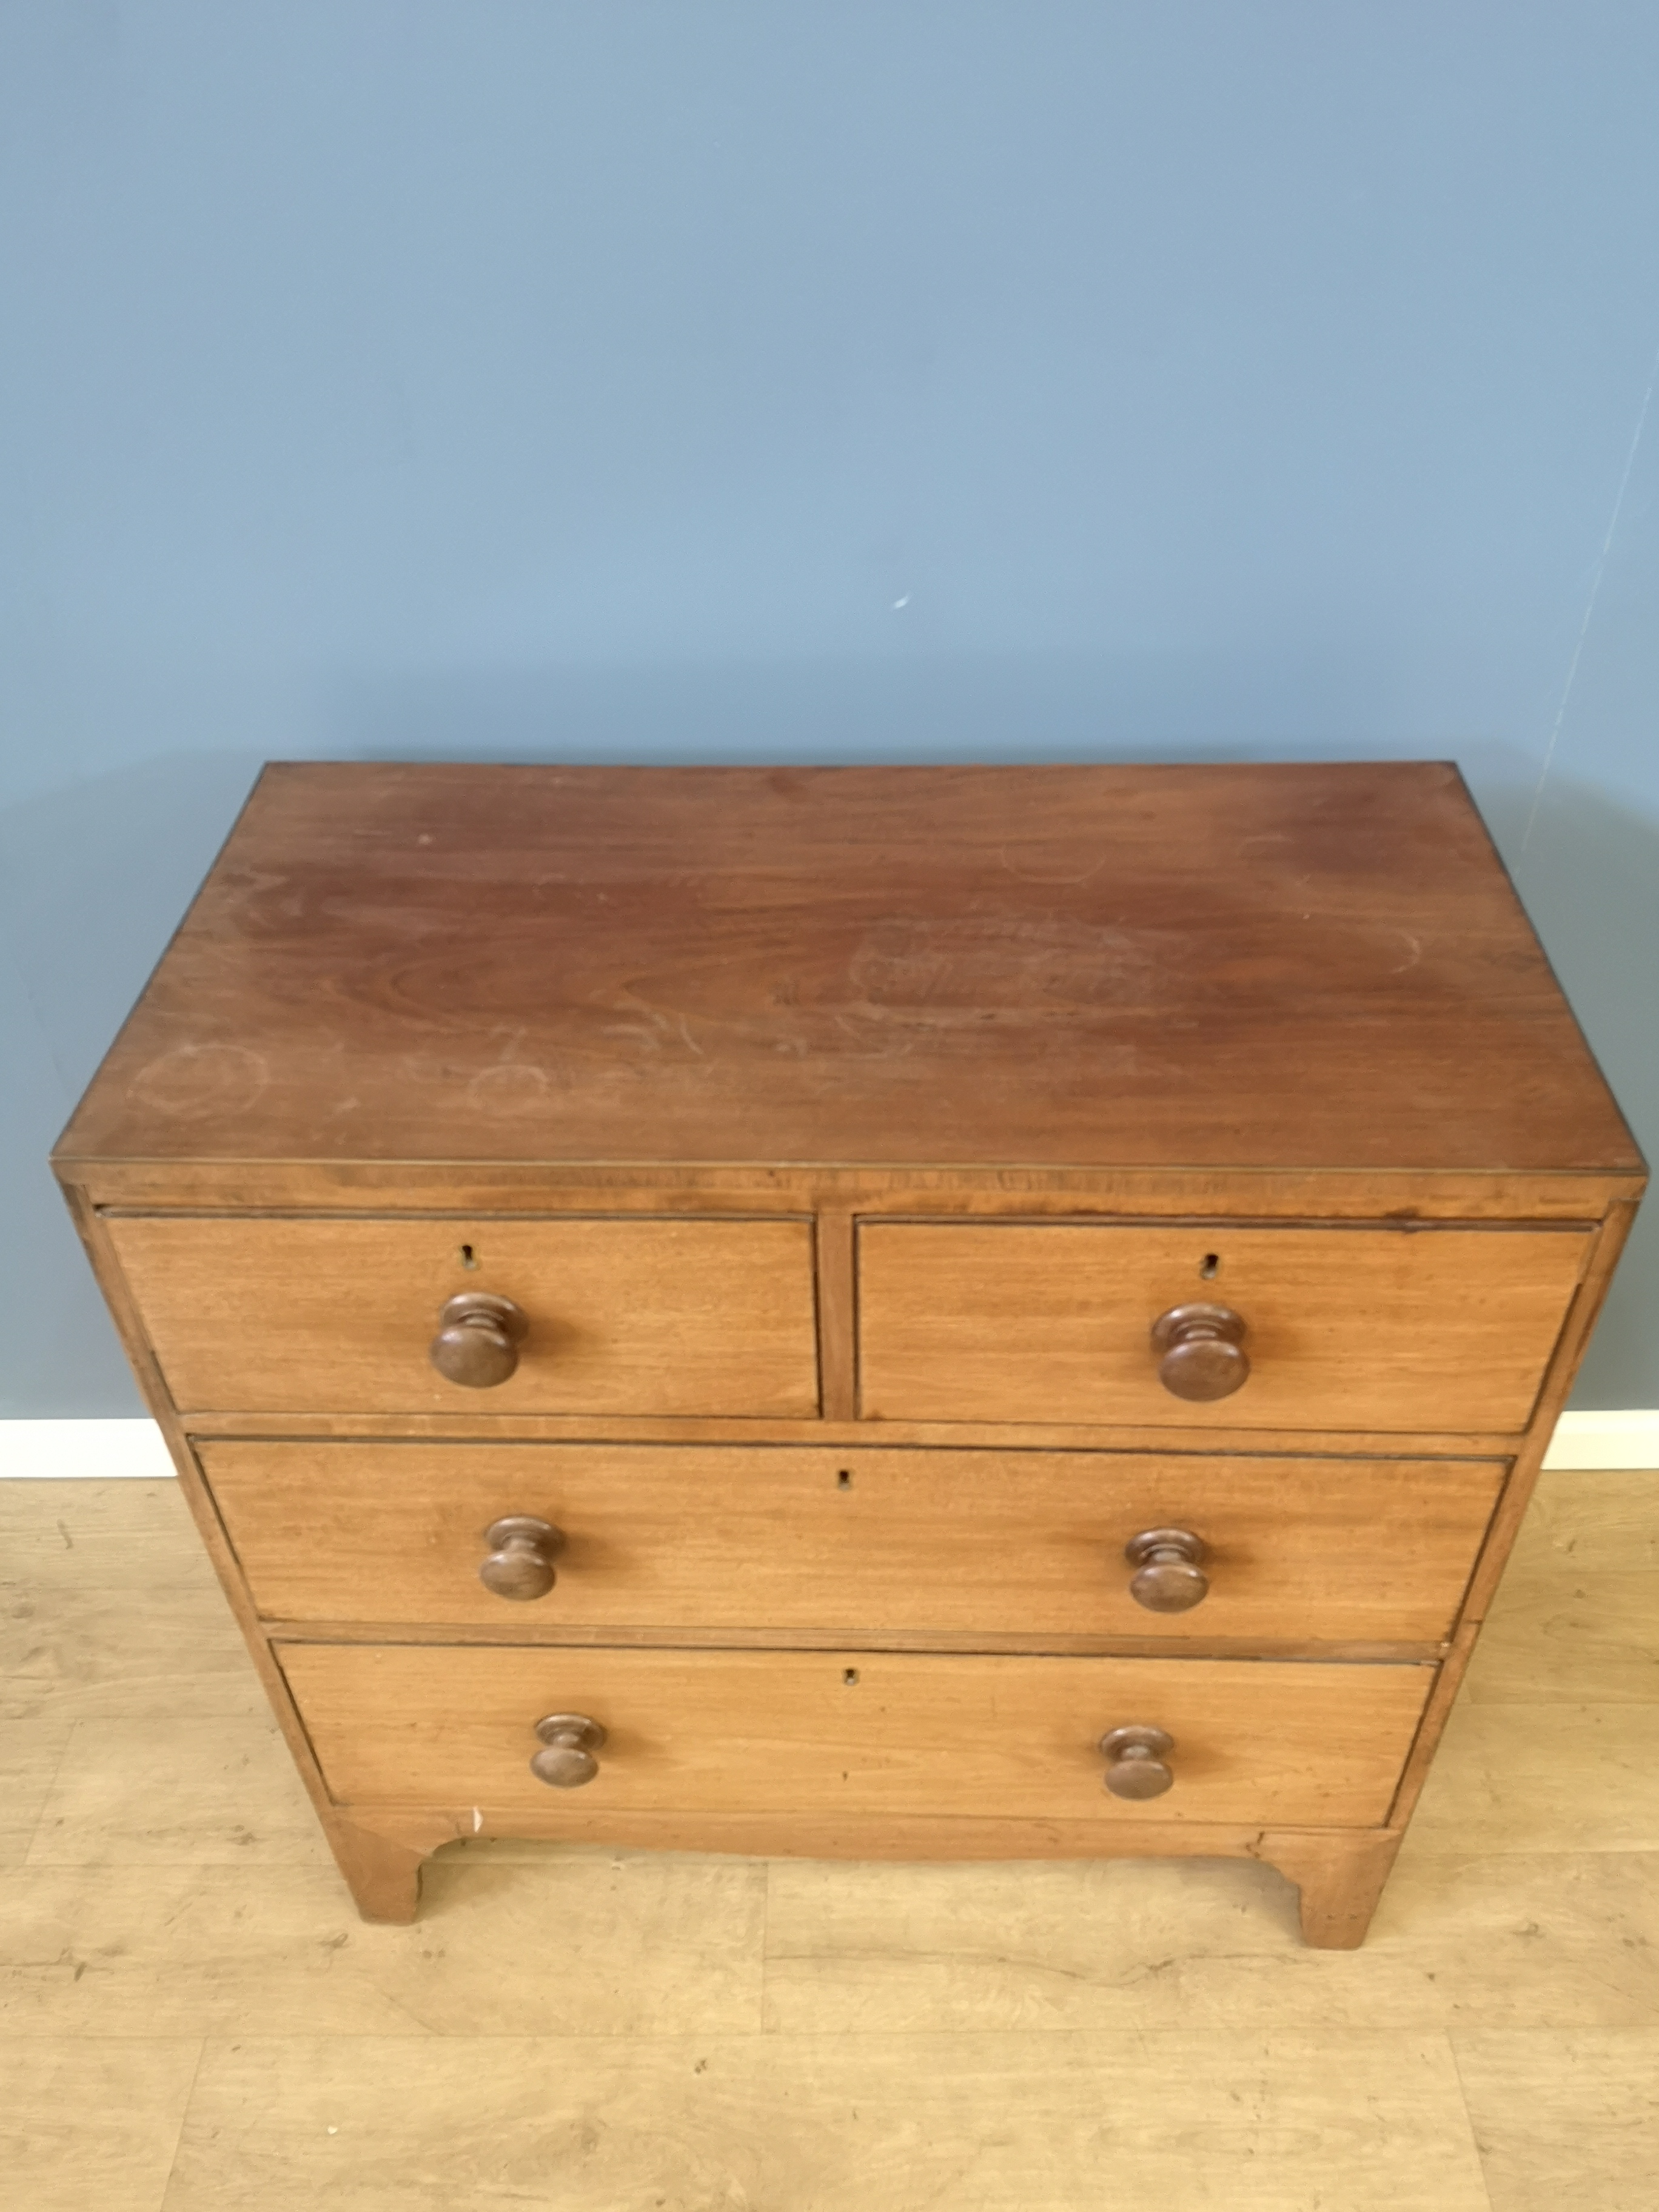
1228	705
1589	877
93	881
917	707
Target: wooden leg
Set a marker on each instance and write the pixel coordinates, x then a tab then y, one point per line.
383	1875
1341	1878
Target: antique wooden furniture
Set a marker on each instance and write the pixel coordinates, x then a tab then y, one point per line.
930	1312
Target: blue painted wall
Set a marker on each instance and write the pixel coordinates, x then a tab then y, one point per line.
914	379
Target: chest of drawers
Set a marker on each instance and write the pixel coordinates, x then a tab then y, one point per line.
914	1312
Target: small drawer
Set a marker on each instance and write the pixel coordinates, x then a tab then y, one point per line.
316	1314
853	1731
1379	1328
853	1542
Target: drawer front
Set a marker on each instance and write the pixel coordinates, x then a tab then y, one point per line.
764	1537
855	1731
313	1315
1344	1328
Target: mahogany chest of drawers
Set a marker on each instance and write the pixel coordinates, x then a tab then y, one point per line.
924	1312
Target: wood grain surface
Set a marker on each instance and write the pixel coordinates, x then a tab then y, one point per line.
840	1134
511	1187
1376	1328
997	1436
856	1731
1294	965
1021	1543
626	1315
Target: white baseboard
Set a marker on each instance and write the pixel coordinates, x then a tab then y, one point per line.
56	1451
1590	1440
60	1450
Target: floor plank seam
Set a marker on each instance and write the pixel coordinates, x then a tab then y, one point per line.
766	1947
51	1791
1478	2147
188	2099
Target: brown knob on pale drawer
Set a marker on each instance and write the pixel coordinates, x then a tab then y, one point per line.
1134	1761
478	1339
1202	1349
566	1760
1168	1577
522	1550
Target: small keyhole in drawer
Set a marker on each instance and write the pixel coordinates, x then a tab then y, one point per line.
844	1478
850	1675
467	1257
1211	1266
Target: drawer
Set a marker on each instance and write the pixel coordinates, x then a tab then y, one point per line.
851	1731
854	1541
1374	1327
316	1314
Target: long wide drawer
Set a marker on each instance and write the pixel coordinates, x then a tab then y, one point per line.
1395	1328
855	1731
620	1316
763	1537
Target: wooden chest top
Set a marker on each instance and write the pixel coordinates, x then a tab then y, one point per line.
1301	967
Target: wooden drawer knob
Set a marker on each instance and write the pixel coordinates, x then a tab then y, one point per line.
566	1760
478	1339
1134	1761
1168	1578
1202	1351
522	1550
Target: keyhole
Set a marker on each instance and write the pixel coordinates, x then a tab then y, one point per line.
467	1259
850	1675
1211	1266
844	1478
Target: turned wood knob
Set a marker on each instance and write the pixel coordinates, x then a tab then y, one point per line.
1134	1761
1202	1349
522	1550
1168	1577
478	1339
566	1760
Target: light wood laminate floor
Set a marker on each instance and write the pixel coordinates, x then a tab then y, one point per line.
192	2018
